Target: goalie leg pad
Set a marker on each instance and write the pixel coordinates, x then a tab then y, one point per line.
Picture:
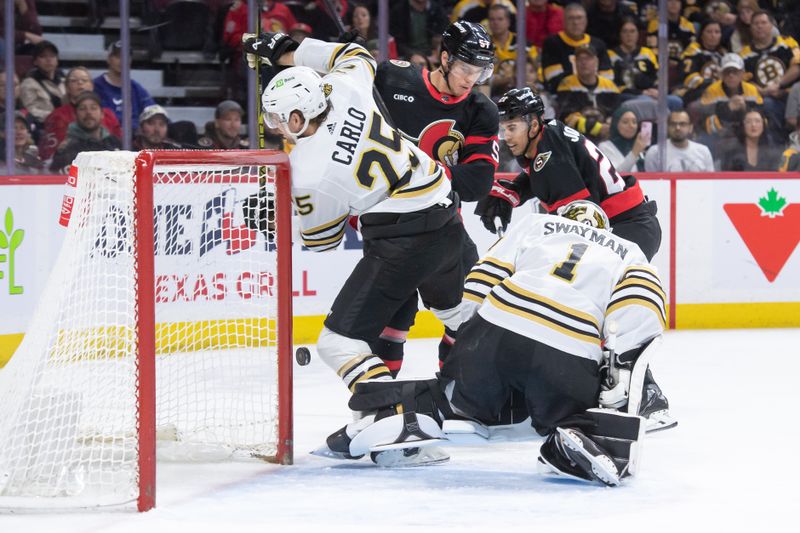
395	432
390	398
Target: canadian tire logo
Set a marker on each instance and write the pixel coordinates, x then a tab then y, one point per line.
770	229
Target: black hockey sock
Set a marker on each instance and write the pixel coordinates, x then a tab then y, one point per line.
445	345
391	351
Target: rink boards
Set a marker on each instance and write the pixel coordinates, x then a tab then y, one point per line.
728	257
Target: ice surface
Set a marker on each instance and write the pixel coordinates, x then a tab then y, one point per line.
730	465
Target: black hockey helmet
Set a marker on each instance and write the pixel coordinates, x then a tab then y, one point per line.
469	42
520	103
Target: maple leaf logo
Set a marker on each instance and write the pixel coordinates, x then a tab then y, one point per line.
772	205
769	229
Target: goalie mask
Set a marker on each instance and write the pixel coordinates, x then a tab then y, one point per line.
585	212
294	89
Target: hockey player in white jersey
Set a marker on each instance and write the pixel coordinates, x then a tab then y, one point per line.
561	310
349	161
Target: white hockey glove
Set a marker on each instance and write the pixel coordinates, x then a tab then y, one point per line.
266	48
616	395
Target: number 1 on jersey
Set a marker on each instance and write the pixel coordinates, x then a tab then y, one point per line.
566	269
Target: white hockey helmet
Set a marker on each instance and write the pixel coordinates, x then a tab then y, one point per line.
585	212
294	89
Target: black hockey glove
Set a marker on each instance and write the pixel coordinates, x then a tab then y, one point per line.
502	199
266	48
352	36
256	209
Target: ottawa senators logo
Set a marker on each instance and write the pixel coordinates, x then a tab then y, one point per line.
441	141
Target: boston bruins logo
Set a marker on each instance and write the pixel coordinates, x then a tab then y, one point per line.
675	49
441	141
769	68
710	70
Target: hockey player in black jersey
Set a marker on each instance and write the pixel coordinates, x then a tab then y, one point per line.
560	166
439	111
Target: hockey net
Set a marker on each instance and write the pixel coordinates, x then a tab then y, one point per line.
165	324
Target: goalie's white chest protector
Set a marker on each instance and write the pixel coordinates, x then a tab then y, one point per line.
355	162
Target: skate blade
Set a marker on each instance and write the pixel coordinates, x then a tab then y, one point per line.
600	470
327	453
397	458
659	421
422	443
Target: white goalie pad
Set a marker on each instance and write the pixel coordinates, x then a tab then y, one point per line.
637	375
385	434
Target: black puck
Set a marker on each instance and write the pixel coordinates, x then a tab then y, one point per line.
303	356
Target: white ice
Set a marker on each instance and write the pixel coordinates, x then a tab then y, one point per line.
730	465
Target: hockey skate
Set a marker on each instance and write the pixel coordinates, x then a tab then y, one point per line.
654	407
585	459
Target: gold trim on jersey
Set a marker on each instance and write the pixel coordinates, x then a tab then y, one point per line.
641	302
326	226
324	241
573	84
516	290
544	320
405	192
586	39
483	276
508	267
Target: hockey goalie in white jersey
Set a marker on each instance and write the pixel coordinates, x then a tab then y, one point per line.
348	161
561	310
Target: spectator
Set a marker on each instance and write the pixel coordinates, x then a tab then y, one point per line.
27	30
86	134
317	16
725	101
700	62
43	89
108	87
627	143
300	31
3	88
773	65
721	12
585	99
542	19
505	49
635	67
152	134
793	107
26	155
750	150
478	10
605	20
790	161
680	32
683	154
54	130
418	25
276	16
362	22
741	34
558	50
224	132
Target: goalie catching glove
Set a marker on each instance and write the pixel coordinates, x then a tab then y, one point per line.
502	199
266	48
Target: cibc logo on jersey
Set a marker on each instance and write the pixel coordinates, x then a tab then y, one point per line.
185	235
442	141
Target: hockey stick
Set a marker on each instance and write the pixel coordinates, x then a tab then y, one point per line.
498	226
375	94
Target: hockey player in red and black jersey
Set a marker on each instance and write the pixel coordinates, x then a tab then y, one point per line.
439	111
560	166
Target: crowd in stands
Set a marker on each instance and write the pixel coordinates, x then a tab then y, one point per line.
733	71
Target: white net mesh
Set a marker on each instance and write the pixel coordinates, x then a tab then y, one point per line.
68	399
